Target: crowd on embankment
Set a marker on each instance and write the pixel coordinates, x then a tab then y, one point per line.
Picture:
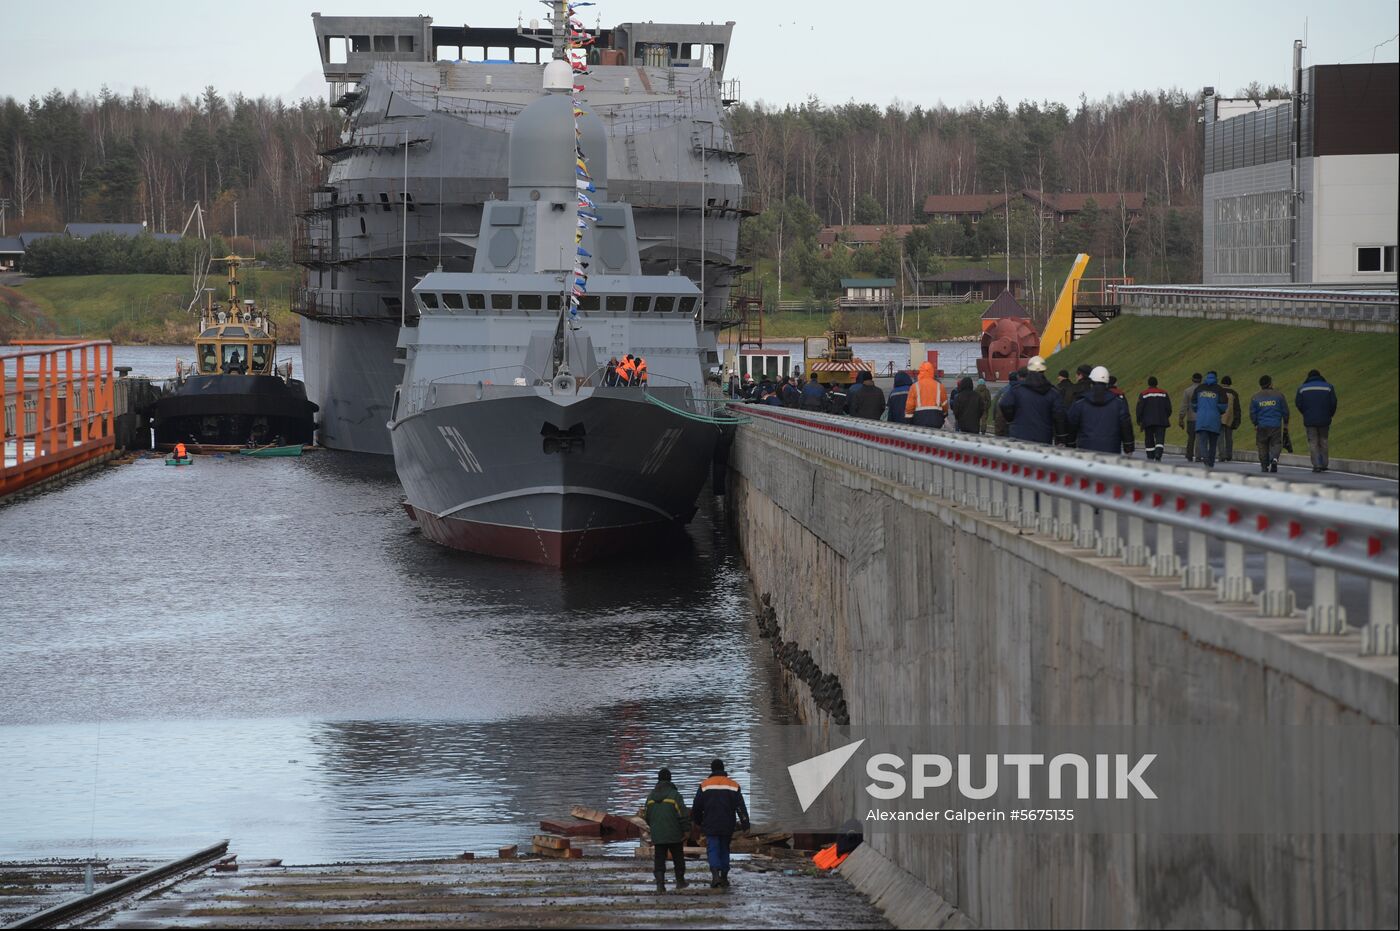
1088	411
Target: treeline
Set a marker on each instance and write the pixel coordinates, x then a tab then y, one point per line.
107	254
860	164
111	158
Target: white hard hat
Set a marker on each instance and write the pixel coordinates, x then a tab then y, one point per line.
1037	364
1099	375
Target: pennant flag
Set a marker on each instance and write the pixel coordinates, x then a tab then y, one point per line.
585	201
584	252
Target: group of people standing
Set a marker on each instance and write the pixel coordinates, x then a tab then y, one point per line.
632	370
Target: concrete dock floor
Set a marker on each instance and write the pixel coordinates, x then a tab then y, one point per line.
612	892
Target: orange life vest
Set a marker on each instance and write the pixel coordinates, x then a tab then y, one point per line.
179	450
827	858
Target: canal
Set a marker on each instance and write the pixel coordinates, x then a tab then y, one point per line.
267	650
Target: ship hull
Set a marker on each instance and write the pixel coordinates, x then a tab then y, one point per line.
351	376
527	477
230	410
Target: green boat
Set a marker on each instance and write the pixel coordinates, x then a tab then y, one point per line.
179	462
267	452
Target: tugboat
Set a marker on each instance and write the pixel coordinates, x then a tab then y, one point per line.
235	395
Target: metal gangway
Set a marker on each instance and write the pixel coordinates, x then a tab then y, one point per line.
56	405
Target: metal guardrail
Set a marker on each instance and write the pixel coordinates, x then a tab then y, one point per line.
66	912
1319	303
56	410
1102	503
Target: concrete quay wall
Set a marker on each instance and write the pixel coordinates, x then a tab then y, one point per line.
930	613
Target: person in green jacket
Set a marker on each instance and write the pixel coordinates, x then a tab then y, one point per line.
669	819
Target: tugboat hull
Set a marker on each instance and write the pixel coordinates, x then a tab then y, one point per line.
231	410
527	477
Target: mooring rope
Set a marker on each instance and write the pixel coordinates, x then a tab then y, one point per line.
700	418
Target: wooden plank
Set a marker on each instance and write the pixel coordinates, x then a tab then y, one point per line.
552	841
571	827
584	813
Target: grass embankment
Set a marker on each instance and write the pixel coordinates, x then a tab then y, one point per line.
134	308
1362	366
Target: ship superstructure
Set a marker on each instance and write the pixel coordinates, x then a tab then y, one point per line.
447	97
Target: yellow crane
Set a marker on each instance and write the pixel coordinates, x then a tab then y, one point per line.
1059	329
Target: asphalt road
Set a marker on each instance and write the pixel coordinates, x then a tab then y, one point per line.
1386	486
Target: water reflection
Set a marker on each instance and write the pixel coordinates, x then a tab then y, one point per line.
268	650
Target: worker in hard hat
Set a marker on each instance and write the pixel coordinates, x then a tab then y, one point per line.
1100	419
1034	410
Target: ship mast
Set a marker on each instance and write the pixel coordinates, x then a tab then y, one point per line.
559	18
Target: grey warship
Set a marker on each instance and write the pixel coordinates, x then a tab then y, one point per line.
447	96
509	434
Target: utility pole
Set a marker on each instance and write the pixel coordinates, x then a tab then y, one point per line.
1007	211
5	203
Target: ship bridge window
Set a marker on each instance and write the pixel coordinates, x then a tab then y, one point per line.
208	358
588	302
640	304
665	303
502	301
261	357
476	301
405	43
687	305
452	301
615	302
235	360
529	301
383	43
429	299
553	302
384	202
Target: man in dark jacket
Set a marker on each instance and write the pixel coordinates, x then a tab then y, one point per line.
1033	408
1316	400
999	425
1076	391
967	407
666	815
836	397
1065	387
1154	415
870	401
1210	409
986	397
813	395
899	396
1268	411
789	392
1186	417
1100	419
1230	422
719	803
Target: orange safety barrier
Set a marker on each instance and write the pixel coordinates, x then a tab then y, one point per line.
57	408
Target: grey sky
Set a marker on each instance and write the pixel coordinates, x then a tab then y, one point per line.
874	51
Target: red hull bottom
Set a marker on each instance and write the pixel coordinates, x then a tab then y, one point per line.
560	549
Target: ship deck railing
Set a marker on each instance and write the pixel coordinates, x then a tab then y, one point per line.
422	395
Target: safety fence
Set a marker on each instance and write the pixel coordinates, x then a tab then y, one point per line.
1103	503
57	405
1378	306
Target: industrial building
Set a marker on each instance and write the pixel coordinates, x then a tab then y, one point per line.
1303	190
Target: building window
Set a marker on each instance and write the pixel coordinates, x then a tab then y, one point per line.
1375	259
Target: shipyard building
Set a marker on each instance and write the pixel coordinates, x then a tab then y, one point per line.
1304	190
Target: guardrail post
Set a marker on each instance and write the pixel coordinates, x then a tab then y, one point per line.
1085	535
1064	523
1164	562
1135	551
1277	599
1378	637
1197	574
1234	586
1109	543
1030	513
990	498
1325	615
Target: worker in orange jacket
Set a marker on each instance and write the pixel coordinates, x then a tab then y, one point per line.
641	372
626	370
927	404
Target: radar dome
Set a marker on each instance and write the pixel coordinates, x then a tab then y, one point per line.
558	76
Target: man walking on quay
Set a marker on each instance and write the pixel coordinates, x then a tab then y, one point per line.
1100	419
669	821
1316	400
1154	415
1268	411
1033	407
1210	408
719	803
986	397
967	407
869	402
1187	417
1230	422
